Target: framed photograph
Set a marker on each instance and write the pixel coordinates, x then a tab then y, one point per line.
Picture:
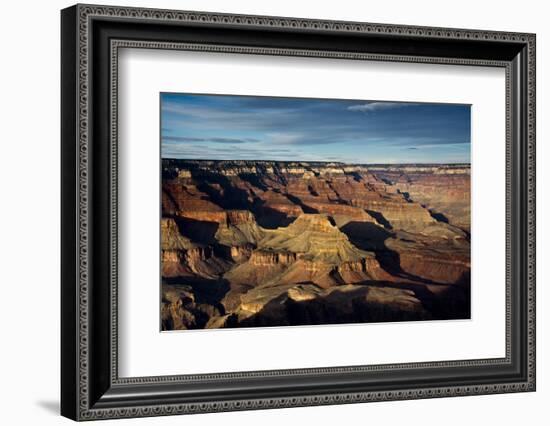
263	212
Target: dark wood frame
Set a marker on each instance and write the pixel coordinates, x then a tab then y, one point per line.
91	37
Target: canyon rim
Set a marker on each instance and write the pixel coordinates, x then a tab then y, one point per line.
292	211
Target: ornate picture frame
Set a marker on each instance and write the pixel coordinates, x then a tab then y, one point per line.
91	37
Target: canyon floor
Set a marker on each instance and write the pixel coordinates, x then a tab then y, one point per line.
267	243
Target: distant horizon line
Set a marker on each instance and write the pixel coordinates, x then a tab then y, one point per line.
319	161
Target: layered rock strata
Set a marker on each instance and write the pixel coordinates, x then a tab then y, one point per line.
260	243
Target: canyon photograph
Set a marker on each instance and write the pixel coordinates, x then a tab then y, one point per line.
302	211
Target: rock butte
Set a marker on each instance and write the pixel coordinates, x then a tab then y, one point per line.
267	243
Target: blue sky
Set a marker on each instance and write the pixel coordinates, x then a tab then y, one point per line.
222	127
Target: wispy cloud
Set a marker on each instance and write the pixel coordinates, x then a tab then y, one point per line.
217	152
286	138
209	139
242	118
377	106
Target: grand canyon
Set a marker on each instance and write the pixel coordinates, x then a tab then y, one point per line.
281	243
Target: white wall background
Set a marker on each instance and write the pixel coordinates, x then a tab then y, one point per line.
29	211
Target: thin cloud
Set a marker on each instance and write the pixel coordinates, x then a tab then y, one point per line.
213	139
263	117
377	106
221	151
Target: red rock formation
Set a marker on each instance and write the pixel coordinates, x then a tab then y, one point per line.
274	201
444	190
239	217
268	258
179	197
241	254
